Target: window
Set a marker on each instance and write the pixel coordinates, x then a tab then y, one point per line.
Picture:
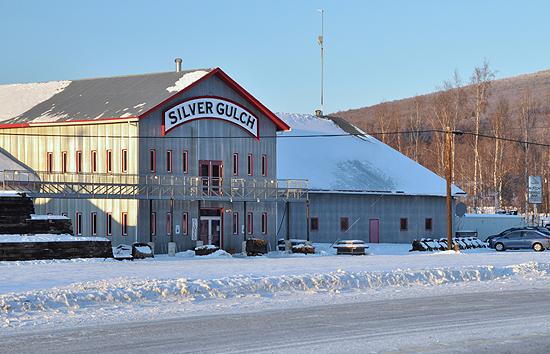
169	223
185	161
235	223
93	223
250	223
344	223
185	224
428	224
152	160
124	161
93	161
78	161
64	161
404	224
235	167
250	165
79	224
264	223
153	224
169	161
314	224
109	224
264	165
109	162
124	224
49	162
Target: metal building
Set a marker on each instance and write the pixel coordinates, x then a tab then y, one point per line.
359	187
188	156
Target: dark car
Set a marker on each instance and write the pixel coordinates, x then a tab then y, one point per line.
507	231
522	239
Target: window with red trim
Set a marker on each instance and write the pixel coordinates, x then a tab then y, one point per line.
185	224
78	224
93	161
235	223
185	161
109	224
49	162
169	223
109	161
124	161
250	223
64	161
78	158
235	166
403	224
124	224
344	223
93	223
250	165
264	223
314	224
152	160
153	224
169	161
264	165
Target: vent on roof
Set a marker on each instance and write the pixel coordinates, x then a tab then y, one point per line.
178	65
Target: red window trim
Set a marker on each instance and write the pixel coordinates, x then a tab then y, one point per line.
78	219
185	223
49	162
185	161
78	161
64	162
109	161
235	223
316	218
264	223
109	224
235	163
124	160
93	161
153	223
168	223
169	161
406	228
250	165
250	223
264	165
152	160
93	223
124	223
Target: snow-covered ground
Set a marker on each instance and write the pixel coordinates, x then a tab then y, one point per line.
70	292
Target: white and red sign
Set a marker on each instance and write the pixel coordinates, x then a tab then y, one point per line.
210	108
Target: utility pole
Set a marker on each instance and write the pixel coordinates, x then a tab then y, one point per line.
321	41
448	178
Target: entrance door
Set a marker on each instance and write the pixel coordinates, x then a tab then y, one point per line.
211	173
374	230
210	227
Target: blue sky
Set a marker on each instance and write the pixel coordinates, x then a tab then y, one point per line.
375	50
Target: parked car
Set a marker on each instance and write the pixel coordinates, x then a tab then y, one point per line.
507	231
521	239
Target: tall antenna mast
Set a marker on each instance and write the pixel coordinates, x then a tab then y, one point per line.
321	40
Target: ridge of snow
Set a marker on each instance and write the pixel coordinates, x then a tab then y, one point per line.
186	80
16	99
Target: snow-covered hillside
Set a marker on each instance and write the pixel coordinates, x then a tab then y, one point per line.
349	163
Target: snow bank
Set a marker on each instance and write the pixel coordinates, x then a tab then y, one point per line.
19	306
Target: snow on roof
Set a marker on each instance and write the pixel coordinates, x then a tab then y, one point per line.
349	163
91	99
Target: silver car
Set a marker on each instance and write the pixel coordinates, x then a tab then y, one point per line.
521	239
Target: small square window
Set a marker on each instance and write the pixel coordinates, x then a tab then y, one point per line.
404	224
428	224
344	223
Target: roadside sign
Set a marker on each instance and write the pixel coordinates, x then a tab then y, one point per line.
535	189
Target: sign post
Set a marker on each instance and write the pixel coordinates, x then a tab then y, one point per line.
535	193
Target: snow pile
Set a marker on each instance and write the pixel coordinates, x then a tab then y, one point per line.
186	80
349	163
18	98
15	307
216	254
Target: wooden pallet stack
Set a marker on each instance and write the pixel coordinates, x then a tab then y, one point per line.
15	211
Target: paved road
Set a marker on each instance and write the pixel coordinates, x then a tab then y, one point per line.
512	321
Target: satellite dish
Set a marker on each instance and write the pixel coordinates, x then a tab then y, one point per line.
460	209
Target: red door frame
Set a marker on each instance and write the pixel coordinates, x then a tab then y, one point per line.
221	221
